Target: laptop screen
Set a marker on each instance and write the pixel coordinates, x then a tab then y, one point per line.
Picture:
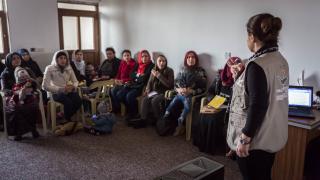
300	96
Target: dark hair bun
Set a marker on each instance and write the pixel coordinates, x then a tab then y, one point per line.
265	27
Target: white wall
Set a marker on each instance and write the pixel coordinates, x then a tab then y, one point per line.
211	28
34	24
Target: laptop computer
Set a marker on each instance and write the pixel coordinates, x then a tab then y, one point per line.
300	101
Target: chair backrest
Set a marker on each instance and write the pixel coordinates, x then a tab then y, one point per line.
102	88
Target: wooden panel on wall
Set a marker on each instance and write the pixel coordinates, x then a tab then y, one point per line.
285	166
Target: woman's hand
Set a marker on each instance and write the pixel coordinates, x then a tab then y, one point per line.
155	73
243	147
145	93
69	88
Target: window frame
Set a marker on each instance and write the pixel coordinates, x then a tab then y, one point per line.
96	29
78	14
5	36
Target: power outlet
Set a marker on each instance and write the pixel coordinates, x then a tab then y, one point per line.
36	49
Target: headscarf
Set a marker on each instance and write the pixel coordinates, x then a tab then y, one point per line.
8	61
142	66
23	51
18	72
225	74
186	57
79	65
55	59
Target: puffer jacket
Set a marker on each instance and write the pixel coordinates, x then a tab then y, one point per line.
54	80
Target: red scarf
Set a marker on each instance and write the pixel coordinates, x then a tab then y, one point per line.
142	66
226	75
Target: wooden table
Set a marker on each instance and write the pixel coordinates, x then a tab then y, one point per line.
289	162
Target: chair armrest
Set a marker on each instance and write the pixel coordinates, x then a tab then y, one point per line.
204	101
194	98
169	94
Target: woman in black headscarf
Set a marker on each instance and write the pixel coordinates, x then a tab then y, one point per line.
28	62
12	61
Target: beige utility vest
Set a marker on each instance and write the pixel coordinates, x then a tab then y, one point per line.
272	135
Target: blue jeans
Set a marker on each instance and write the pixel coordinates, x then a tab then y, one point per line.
128	96
186	100
71	103
116	96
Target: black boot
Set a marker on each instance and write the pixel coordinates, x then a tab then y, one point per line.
141	123
35	134
18	138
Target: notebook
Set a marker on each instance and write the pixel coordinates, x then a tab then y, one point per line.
300	101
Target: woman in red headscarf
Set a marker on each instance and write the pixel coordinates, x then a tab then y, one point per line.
209	129
191	81
139	78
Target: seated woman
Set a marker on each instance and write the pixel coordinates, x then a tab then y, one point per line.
126	67
60	80
12	61
209	131
77	59
28	62
109	67
73	66
134	88
30	65
222	84
190	81
21	102
161	80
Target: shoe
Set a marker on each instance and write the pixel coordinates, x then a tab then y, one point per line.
35	134
166	115
180	130
59	132
127	118
141	123
17	138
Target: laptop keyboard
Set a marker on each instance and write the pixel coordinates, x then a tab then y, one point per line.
301	112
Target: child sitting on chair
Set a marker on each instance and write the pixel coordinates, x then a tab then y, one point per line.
104	121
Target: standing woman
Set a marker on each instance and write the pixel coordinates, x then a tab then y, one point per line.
60	80
258	121
161	80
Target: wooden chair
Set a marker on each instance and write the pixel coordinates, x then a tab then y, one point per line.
41	108
170	95
52	111
102	93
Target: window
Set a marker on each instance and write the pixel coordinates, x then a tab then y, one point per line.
83	7
78	27
4	43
